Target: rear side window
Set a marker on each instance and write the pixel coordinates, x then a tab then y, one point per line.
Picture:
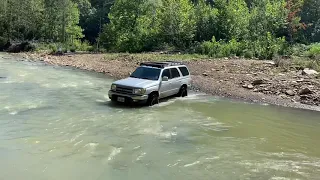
166	72
184	71
175	73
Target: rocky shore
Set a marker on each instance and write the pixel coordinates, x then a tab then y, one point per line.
248	80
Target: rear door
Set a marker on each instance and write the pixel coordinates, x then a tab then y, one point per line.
175	81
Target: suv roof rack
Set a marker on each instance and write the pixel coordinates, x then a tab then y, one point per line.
162	64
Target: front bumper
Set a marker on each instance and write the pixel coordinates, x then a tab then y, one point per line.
128	98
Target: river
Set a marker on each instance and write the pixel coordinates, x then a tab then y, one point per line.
58	124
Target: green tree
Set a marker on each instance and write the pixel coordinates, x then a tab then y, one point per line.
206	21
310	16
132	26
233	19
267	16
61	21
177	22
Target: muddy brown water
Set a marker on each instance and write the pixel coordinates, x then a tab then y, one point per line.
58	124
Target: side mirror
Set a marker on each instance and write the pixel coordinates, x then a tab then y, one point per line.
165	78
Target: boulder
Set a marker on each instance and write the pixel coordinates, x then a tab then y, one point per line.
270	63
305	91
257	82
309	72
250	86
22	47
5	46
290	93
204	74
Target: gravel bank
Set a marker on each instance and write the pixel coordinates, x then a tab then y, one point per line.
248	80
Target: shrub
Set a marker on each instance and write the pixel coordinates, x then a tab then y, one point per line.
220	49
22	47
4	44
80	46
268	46
248	54
53	48
314	51
73	49
27	47
298	50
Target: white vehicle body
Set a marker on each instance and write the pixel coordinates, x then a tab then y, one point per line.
166	79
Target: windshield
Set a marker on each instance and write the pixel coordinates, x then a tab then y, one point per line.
146	73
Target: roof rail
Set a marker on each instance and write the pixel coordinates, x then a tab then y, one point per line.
161	64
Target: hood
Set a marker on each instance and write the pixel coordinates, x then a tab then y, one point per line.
135	82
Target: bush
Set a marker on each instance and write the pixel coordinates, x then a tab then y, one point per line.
314	51
27	47
53	48
22	47
248	54
298	50
220	49
268	46
73	49
80	46
4	44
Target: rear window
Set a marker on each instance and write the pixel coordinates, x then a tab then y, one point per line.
184	71
175	73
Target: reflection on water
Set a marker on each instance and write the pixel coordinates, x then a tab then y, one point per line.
57	123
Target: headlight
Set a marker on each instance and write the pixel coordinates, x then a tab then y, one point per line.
113	87
139	91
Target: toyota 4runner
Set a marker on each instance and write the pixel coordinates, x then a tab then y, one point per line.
152	81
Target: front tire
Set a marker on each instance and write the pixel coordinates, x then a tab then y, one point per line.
183	92
153	99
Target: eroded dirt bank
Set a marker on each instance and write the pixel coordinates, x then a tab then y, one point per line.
249	80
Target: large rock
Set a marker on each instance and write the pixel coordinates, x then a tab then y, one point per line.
257	82
309	72
22	47
305	91
250	86
270	63
4	47
290	93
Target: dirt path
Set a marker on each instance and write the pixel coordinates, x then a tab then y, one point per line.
249	80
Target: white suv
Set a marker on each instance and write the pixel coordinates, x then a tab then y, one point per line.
152	81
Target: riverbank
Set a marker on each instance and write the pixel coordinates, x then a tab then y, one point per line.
282	83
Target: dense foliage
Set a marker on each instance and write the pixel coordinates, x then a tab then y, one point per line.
219	28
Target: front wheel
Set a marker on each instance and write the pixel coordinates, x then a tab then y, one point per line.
183	92
153	99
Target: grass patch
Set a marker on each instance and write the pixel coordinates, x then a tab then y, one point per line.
304	62
154	56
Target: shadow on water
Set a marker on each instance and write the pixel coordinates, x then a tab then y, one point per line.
130	105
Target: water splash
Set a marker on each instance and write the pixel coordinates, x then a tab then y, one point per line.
114	152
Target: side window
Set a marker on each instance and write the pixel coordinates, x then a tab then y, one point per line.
175	73
166	72
184	71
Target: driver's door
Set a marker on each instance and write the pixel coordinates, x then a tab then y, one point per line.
165	86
